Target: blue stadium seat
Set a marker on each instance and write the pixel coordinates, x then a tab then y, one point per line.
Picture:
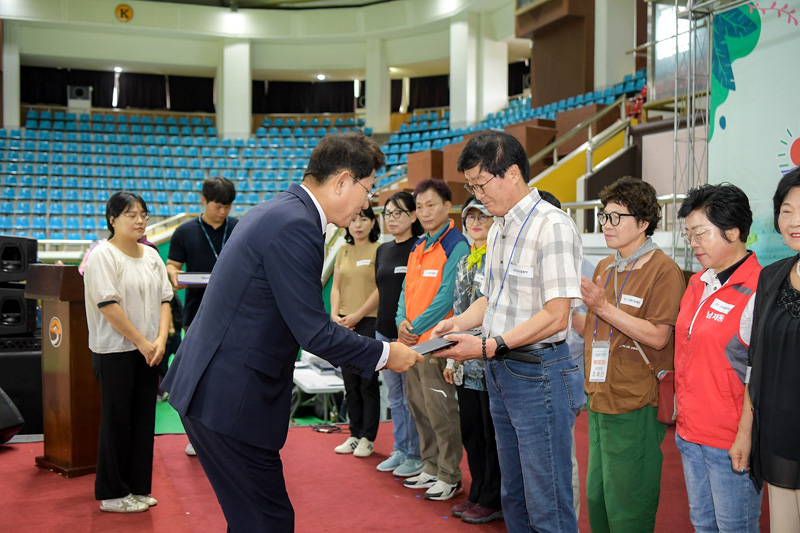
56	223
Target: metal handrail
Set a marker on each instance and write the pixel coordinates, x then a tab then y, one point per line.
396	174
603	138
595	205
553	146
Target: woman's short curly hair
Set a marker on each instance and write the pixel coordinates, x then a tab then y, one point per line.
638	196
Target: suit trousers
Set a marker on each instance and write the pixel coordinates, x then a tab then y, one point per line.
363	395
435	409
128	388
247	480
477	432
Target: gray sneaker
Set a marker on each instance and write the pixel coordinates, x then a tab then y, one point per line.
128	504
409	467
395	460
146	498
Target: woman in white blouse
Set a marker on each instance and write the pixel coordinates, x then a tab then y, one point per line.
127	313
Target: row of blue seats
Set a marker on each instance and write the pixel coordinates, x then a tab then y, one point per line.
75	152
418	146
110	127
144	161
116	166
424	125
307	132
398	138
431	115
303	122
120	118
73	182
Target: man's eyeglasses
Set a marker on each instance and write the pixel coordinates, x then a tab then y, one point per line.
370	193
688	237
394	214
472	189
134	216
480	219
613	217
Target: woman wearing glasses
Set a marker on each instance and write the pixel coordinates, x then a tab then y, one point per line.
632	306
127	313
712	337
391	260
477	431
770	407
354	301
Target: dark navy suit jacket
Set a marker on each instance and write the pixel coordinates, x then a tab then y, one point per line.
233	371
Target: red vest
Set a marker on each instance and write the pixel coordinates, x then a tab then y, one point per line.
711	358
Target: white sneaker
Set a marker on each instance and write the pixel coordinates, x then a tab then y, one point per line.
146	498
364	448
422	481
443	491
190	450
348	446
128	504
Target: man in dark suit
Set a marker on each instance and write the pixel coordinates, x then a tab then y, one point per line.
231	380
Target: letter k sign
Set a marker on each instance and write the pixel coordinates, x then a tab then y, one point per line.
124	13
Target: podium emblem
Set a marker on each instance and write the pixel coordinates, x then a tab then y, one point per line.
55	332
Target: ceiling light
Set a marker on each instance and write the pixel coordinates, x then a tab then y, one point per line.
321	77
117	69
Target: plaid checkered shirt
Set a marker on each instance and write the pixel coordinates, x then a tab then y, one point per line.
546	264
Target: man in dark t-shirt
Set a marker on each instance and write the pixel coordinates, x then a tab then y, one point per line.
197	244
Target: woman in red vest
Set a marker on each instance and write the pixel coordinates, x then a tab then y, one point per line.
712	336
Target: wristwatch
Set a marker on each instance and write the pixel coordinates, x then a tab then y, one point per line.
502	348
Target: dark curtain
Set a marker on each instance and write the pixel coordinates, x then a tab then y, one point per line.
142	91
187	93
397	95
305	97
259	97
102	83
516	77
43	86
430	91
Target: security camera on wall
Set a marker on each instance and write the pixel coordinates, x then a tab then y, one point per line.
79	96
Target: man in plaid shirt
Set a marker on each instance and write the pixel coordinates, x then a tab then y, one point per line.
532	282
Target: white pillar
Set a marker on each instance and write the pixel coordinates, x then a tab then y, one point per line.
492	72
234	88
11	82
379	88
614	27
463	70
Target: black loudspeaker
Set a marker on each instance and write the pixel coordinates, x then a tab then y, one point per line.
17	314
21	379
16	253
79	92
10	419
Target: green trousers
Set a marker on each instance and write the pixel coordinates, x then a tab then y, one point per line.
623	479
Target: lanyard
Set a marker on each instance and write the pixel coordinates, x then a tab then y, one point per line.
618	296
494	243
224	236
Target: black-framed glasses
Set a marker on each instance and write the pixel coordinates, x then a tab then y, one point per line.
396	214
480	219
472	189
613	217
134	216
688	237
370	193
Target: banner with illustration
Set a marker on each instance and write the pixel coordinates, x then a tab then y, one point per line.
754	134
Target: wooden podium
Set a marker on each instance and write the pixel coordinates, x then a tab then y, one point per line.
70	393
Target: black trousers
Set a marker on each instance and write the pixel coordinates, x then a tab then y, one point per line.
477	434
247	480
363	395
127	424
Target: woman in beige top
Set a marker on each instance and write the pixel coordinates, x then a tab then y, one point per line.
354	305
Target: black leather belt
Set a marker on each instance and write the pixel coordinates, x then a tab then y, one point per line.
526	356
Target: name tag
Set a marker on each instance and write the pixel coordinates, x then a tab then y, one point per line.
722	307
400	270
521	271
363	263
430	273
633	301
599	370
479	278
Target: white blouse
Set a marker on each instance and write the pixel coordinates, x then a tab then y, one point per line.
138	285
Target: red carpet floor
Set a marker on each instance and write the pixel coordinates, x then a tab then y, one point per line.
329	492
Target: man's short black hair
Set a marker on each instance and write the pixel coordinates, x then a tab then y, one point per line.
788	182
495	151
220	190
351	151
437	185
725	205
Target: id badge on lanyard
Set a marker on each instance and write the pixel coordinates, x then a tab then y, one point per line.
599	370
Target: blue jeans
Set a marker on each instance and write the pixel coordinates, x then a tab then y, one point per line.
533	407
720	499
406	439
